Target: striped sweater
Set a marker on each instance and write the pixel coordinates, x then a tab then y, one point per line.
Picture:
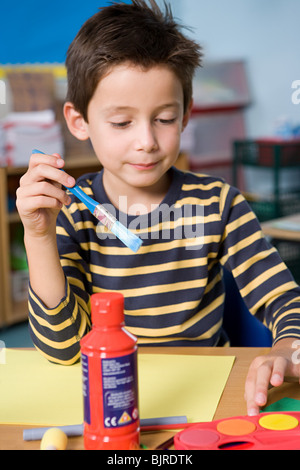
173	287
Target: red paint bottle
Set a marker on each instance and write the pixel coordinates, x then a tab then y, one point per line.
109	369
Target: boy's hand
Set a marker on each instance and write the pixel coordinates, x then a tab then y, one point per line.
280	362
40	195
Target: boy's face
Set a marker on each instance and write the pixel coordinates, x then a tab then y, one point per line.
135	120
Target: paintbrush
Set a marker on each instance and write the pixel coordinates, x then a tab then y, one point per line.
129	239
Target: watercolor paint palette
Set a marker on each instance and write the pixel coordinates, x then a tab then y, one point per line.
267	431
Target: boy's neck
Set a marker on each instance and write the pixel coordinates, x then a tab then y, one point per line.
135	200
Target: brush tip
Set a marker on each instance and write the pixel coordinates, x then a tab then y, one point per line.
128	238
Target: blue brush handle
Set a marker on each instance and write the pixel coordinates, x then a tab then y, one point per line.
87	200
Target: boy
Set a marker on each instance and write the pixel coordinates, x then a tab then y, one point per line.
130	73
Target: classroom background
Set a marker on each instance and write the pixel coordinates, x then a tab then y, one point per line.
245	125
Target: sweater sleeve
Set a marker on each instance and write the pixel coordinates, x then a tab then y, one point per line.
56	332
265	283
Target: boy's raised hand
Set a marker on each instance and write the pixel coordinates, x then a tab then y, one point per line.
40	195
271	369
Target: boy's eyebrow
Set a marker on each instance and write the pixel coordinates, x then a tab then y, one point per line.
110	109
175	104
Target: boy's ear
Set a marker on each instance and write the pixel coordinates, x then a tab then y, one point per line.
76	123
187	115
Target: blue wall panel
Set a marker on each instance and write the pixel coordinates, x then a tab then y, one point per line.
33	31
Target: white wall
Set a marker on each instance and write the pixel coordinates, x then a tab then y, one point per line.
266	34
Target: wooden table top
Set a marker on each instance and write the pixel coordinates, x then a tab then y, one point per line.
231	404
284	228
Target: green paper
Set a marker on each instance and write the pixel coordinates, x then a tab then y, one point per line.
285	404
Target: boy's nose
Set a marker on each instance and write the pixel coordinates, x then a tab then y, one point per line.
146	140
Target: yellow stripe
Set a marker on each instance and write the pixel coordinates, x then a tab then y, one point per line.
75	257
171	330
59	361
75	206
78	310
204	187
259	280
284	314
215	280
285	332
272	295
68	263
124	272
237	200
297	299
252	261
62	231
212	218
237	224
165	310
54	311
187	243
182	222
83	306
45	323
208	334
84	225
223	197
242	244
224	194
66	212
163	288
148	333
74	281
160	289
55	344
196	201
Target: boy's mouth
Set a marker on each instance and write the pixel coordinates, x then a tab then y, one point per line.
144	166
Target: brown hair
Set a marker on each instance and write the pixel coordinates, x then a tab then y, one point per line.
138	33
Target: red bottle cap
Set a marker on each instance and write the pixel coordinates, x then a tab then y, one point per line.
107	309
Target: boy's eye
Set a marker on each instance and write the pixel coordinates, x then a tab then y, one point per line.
124	124
167	121
120	125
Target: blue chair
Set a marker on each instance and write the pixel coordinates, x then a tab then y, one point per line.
242	328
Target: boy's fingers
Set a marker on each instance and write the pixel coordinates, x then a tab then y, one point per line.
27	195
257	384
45	171
252	408
53	160
250	384
278	373
262	373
